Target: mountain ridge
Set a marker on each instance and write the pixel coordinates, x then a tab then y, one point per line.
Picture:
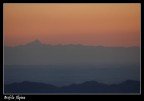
38	42
38	53
85	87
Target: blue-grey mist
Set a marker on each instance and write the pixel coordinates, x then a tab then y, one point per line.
67	64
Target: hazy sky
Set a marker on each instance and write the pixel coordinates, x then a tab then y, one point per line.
88	24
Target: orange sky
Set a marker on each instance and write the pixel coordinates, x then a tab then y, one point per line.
87	24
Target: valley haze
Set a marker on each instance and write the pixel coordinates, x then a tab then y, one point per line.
66	64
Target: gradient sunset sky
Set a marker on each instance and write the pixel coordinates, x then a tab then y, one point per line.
86	24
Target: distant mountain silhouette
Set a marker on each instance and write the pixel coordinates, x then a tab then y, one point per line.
128	86
36	52
35	42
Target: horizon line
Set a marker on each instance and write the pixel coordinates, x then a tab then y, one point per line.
68	44
83	45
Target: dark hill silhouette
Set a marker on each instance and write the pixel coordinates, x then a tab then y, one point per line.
29	87
128	86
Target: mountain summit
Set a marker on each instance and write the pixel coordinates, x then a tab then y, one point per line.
35	42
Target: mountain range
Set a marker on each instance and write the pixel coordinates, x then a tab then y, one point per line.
128	86
66	64
37	53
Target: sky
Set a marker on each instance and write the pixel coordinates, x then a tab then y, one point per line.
86	24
